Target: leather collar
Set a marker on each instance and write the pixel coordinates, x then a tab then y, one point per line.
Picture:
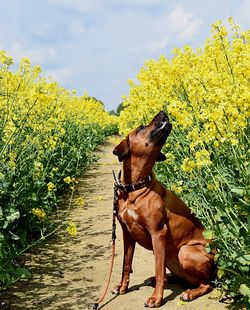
134	186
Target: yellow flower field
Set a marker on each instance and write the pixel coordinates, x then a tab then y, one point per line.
206	94
47	137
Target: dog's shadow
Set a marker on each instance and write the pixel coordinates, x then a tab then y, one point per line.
173	283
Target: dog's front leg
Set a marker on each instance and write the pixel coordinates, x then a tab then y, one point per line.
159	248
129	246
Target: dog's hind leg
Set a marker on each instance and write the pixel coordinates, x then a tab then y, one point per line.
152	281
192	294
197	268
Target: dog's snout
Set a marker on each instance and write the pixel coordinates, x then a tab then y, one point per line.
163	113
162	117
161	128
164	121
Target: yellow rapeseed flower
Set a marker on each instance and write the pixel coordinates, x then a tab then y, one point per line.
216	143
80	201
177	189
38	166
210	187
71	229
188	165
51	187
170	157
202	158
68	180
40	213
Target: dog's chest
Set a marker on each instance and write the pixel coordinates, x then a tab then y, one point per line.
133	222
128	215
131	219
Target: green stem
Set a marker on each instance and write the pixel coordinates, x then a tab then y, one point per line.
17	128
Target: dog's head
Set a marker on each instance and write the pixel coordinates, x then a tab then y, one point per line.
144	144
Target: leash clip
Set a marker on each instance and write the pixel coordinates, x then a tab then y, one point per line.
121	186
118	184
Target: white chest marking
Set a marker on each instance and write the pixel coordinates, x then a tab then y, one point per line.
130	213
133	214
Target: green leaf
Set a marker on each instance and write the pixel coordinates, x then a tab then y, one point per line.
244	260
34	197
14	236
244	290
238	190
220	273
247	257
244	269
22	273
208	234
13	216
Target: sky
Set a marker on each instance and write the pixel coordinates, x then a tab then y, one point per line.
95	46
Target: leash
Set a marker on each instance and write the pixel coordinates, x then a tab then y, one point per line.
124	188
115	203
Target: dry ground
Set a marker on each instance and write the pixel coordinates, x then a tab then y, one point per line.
69	272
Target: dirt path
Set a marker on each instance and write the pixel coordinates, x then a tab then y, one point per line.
69	272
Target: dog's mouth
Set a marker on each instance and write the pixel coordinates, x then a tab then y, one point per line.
161	130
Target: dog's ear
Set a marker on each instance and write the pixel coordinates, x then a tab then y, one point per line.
161	157
122	149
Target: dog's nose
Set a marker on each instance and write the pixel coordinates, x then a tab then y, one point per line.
163	115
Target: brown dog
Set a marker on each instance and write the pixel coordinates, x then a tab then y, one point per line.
156	218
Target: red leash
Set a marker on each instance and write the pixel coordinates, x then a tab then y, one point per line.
115	203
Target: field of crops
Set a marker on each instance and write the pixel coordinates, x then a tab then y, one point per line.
206	94
48	135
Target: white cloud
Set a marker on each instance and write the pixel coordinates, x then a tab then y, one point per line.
60	75
191	30
37	56
185	24
179	18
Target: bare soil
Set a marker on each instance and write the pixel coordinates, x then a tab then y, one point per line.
70	272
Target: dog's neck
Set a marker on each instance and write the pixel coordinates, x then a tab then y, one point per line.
130	176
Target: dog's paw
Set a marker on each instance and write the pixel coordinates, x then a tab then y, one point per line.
186	296
115	291
120	290
153	302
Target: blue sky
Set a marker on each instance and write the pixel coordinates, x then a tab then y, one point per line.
97	45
